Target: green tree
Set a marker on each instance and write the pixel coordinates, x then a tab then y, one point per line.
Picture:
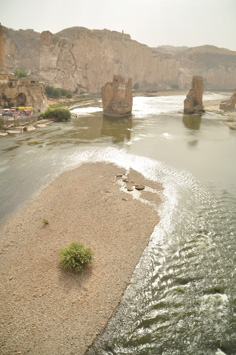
48	90
64	92
56	92
21	72
53	92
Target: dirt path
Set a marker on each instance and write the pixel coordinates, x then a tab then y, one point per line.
45	310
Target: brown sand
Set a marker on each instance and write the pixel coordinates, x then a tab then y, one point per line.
45	310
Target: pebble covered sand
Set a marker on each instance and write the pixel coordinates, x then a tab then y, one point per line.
45	310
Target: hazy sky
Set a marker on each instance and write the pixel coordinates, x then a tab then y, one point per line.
153	22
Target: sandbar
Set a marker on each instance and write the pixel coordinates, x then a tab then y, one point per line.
46	310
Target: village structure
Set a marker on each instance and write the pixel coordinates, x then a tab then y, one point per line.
24	95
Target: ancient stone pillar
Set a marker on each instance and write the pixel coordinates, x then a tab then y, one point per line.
229	104
193	101
117	97
2	52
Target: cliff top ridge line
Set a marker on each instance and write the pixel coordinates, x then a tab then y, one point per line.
80	59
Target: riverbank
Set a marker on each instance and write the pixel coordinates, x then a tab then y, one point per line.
45	310
94	100
228	117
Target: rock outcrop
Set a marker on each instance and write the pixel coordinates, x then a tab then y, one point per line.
193	101
117	97
230	104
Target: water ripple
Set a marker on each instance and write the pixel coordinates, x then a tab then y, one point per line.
181	297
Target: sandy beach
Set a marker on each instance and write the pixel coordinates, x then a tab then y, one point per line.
45	310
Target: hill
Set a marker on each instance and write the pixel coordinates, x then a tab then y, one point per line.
80	59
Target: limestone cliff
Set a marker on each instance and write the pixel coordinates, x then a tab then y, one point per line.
216	65
81	59
84	59
22	48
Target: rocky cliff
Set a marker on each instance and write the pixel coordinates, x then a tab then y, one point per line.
22	48
81	59
84	59
216	65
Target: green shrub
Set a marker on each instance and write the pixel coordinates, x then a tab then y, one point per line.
58	114
53	92
50	91
21	72
1	122
56	92
64	92
75	257
62	114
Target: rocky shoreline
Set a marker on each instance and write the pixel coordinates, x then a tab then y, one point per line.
228	117
45	310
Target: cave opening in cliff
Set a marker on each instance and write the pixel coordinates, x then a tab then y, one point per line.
21	99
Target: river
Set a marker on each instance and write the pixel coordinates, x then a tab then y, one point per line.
182	296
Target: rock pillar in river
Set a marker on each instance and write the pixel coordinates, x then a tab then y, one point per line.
230	104
117	97
193	101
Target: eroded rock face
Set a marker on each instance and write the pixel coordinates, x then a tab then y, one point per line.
193	101
22	48
83	60
117	97
216	65
230	104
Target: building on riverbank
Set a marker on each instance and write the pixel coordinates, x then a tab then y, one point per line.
14	91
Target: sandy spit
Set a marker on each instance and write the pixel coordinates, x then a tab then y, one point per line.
45	310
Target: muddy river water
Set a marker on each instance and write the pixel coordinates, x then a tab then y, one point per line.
182	296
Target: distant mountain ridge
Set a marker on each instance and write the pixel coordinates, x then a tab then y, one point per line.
216	65
77	58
